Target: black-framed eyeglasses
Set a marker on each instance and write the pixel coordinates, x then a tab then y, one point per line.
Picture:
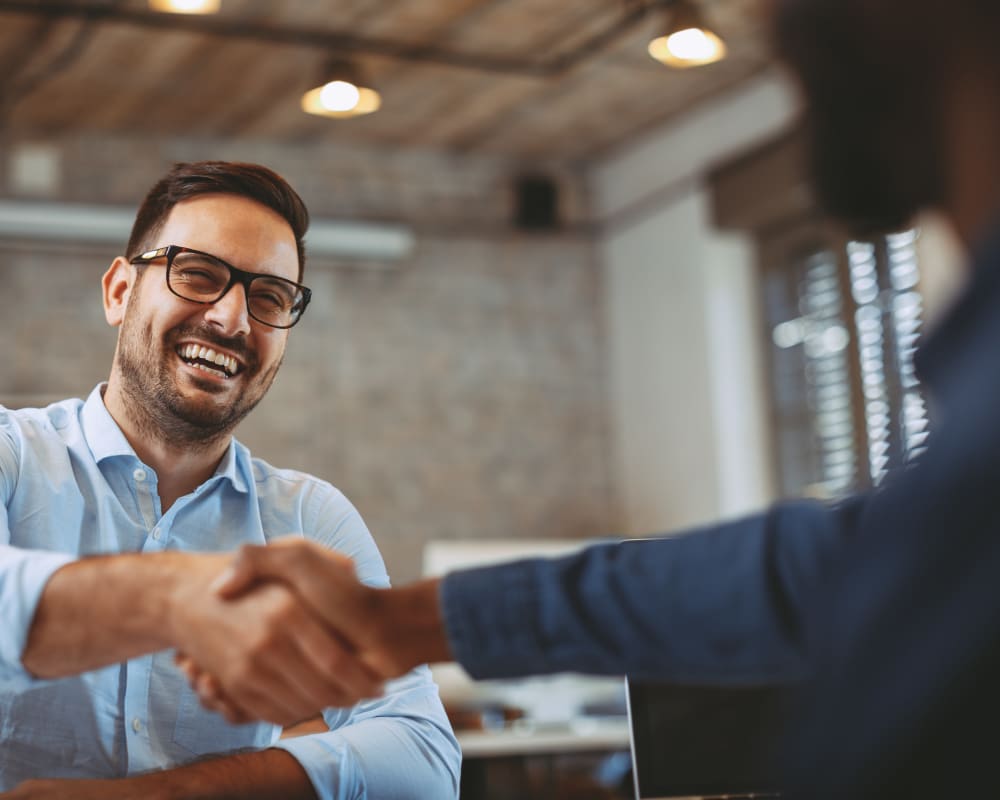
204	278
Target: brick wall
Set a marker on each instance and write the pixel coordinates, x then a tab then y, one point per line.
458	394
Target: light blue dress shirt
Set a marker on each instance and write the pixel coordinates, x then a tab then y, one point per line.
72	485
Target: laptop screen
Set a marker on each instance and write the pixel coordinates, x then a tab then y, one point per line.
706	741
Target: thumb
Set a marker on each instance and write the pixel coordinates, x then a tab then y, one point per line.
239	576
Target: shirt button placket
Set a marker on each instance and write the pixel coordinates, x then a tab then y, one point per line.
144	489
135	710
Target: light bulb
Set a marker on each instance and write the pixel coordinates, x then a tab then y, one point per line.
185	6
691	45
339	96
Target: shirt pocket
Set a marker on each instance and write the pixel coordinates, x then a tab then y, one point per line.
200	733
58	730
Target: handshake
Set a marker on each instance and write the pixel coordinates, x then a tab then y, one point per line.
285	630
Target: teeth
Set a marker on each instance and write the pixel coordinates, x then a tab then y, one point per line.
204	368
194	351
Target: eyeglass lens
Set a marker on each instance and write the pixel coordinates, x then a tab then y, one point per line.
203	279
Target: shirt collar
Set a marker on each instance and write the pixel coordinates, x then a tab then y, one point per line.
944	349
106	440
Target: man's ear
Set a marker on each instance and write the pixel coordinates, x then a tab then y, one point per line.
117	284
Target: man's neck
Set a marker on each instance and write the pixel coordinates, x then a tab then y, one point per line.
179	467
973	200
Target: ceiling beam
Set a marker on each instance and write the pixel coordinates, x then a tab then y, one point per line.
228	27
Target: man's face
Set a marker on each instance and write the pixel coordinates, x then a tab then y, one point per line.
873	109
176	394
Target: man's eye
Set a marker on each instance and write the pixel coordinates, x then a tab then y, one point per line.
269	300
194	274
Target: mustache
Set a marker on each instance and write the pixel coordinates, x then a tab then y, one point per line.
234	344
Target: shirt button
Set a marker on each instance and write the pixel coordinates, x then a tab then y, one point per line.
156	533
139	475
136	725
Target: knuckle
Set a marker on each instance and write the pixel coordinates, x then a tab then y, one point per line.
246	555
242	679
298	554
282	608
287	606
335	660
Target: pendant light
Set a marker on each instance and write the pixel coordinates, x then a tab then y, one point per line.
342	95
688	40
185	6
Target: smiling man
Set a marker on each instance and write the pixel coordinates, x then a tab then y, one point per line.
140	476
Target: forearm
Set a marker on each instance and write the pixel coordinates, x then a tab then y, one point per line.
264	775
106	609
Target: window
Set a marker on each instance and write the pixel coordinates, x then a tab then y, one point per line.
844	318
842	322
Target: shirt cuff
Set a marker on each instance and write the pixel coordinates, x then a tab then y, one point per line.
23	575
491	619
328	761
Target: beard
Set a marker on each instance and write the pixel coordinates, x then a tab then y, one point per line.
873	111
157	406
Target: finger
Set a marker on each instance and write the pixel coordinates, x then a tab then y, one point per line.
188	668
235	579
334	674
332	668
269	697
253	563
209	691
257	695
212	698
315	669
270	679
306	566
250	565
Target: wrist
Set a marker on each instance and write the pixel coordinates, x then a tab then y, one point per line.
187	582
409	625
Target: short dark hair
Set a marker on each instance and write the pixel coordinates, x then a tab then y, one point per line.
193	179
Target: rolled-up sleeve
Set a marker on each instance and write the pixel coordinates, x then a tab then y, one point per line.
23	575
398	747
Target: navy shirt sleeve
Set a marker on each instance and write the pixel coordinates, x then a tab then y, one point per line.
723	604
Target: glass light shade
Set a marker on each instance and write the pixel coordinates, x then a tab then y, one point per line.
691	47
340	100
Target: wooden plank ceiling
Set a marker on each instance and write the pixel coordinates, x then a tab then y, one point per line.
464	75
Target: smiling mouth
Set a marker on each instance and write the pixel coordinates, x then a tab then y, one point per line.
208	360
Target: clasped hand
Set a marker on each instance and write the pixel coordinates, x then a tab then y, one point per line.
286	631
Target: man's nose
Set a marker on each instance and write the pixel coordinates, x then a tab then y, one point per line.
229	312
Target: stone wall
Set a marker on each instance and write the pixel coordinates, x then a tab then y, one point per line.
457	394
